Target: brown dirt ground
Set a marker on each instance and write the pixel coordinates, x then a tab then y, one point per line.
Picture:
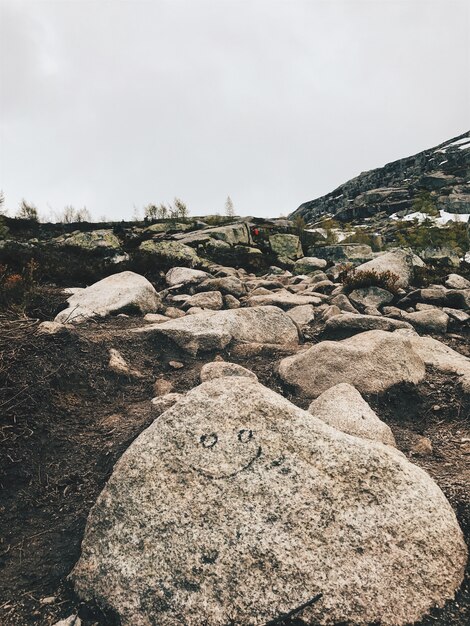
65	419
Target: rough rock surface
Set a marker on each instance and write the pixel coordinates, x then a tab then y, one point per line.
372	362
370	296
184	276
354	322
206	300
399	262
219	369
302	314
430	321
438	355
455	281
114	294
236	506
214	330
308	265
284	299
343	407
286	245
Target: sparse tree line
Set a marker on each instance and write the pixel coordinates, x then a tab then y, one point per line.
177	210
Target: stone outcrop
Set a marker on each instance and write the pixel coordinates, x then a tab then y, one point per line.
237	507
343	407
119	293
214	330
372	362
392	188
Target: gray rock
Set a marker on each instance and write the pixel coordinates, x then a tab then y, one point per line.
118	365
155	318
115	294
170	251
231	302
286	245
52	328
236	506
283	299
456	315
370	296
454	281
72	620
356	323
214	330
343	407
330	311
220	369
308	265
430	321
399	262
184	276
205	300
372	362
303	314
225	284
343	303
160	404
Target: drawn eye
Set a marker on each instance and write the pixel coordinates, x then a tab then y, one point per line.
245	435
208	441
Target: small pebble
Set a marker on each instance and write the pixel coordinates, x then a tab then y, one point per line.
176	365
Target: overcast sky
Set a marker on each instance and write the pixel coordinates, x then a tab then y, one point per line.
115	104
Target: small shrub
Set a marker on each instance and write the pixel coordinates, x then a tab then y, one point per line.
353	279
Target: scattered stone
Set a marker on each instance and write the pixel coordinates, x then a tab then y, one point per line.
184	276
372	361
371	310
343	303
118	365
176	365
160	404
48	600
115	294
52	328
214	330
357	323
308	265
231	302
302	315
283	299
73	620
458	316
422	448
173	313
343	407
330	311
370	297
206	300
236	506
219	369
155	318
454	281
226	285
399	262
431	321
162	387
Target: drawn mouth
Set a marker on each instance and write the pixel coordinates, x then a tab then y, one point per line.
221	476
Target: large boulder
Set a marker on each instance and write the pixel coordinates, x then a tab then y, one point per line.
214	330
455	281
343	407
370	296
119	293
428	321
237	507
170	252
285	245
372	362
439	356
399	262
225	284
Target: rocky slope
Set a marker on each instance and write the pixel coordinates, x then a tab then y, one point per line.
443	171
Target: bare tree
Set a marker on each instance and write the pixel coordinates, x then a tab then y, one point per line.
151	211
27	211
180	209
229	209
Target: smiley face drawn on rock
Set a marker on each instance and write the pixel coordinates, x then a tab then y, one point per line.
225	454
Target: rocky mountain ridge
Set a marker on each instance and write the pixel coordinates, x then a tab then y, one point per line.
442	171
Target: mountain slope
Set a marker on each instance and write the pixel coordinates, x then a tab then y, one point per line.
443	171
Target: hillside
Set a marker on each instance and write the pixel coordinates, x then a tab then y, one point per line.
442	171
